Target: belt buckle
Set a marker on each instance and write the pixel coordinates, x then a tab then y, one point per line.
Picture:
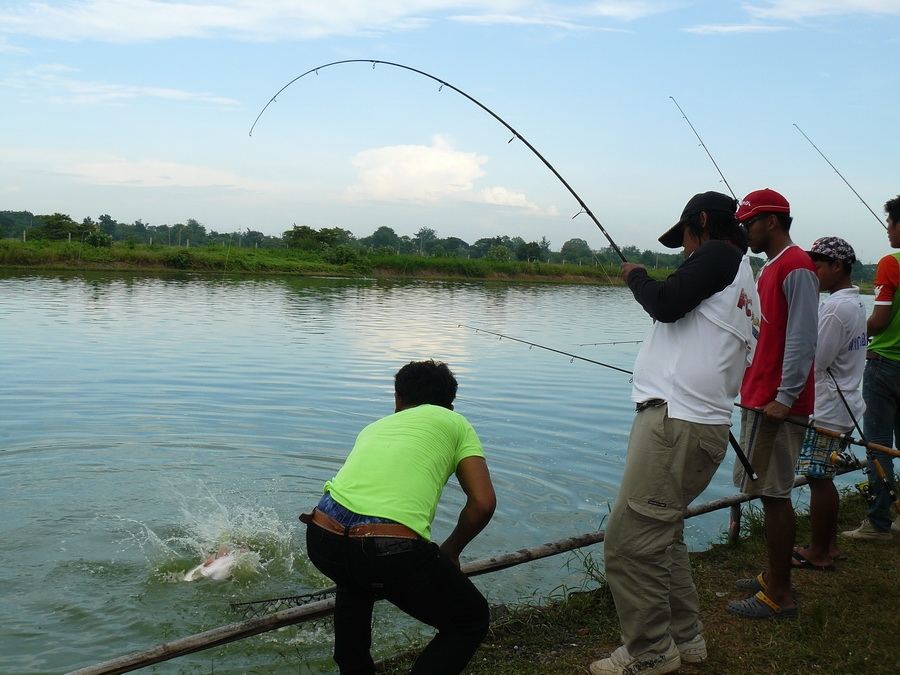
649	403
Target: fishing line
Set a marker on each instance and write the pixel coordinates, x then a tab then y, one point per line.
703	145
614	342
443	83
880	221
731	439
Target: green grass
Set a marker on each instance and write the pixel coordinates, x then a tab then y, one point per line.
223	260
847	618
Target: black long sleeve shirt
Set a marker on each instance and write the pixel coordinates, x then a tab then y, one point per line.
710	269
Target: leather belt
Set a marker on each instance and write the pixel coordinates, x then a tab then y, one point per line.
651	403
326	522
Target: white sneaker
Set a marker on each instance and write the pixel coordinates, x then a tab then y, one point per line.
620	662
694	650
868	532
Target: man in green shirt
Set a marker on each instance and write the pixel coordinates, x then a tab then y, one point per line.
881	384
371	531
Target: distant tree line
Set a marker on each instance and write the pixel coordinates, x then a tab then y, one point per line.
333	244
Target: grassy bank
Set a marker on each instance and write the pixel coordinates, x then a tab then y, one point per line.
230	260
847	618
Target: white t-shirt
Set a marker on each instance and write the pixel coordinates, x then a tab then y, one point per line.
696	363
842	350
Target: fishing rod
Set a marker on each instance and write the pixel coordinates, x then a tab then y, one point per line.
549	349
880	221
444	83
847	438
614	342
731	439
703	145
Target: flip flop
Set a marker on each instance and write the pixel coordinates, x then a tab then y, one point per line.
839	556
802	562
760	606
753	584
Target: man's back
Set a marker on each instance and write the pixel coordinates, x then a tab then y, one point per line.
400	464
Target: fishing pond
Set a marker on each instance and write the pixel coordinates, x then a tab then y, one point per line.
149	420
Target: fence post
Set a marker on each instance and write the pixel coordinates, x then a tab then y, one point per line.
734	524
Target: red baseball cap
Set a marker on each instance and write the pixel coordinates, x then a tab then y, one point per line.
761	201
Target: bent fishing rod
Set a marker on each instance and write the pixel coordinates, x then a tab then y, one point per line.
444	83
880	221
703	145
731	439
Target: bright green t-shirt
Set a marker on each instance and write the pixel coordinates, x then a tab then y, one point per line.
399	465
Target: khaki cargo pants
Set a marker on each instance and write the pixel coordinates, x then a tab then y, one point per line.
669	463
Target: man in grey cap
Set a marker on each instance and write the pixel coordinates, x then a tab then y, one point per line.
686	377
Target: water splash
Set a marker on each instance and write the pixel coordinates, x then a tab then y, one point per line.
205	523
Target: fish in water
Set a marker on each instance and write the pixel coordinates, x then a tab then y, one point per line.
218	566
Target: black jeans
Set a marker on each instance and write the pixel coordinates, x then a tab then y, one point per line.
412	574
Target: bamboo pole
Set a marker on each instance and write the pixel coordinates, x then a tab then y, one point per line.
316	610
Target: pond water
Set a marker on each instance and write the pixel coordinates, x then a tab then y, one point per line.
148	420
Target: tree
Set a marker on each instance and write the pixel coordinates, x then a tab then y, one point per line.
544	244
383	237
481	247
498	252
576	250
334	236
424	237
107	224
528	251
302	237
58	226
453	246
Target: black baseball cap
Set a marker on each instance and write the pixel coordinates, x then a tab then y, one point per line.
705	201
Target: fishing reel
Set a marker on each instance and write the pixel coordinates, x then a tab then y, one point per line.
867	494
845	460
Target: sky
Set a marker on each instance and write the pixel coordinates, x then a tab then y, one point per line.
141	109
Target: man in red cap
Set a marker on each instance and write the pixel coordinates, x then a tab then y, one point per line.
779	384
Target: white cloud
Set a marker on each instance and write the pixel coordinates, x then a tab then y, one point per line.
720	29
500	196
419	173
55	83
798	10
430	173
628	10
150	173
518	20
127	21
7	48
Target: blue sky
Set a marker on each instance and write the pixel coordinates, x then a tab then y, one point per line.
141	109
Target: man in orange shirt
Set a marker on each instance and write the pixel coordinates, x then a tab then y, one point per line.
881	383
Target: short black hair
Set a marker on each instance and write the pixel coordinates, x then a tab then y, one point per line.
425	382
785	220
721	225
892	209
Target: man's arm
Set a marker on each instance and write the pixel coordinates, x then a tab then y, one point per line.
879	320
709	270
887	279
475	480
801	289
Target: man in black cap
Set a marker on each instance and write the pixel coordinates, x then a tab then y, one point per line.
686	377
